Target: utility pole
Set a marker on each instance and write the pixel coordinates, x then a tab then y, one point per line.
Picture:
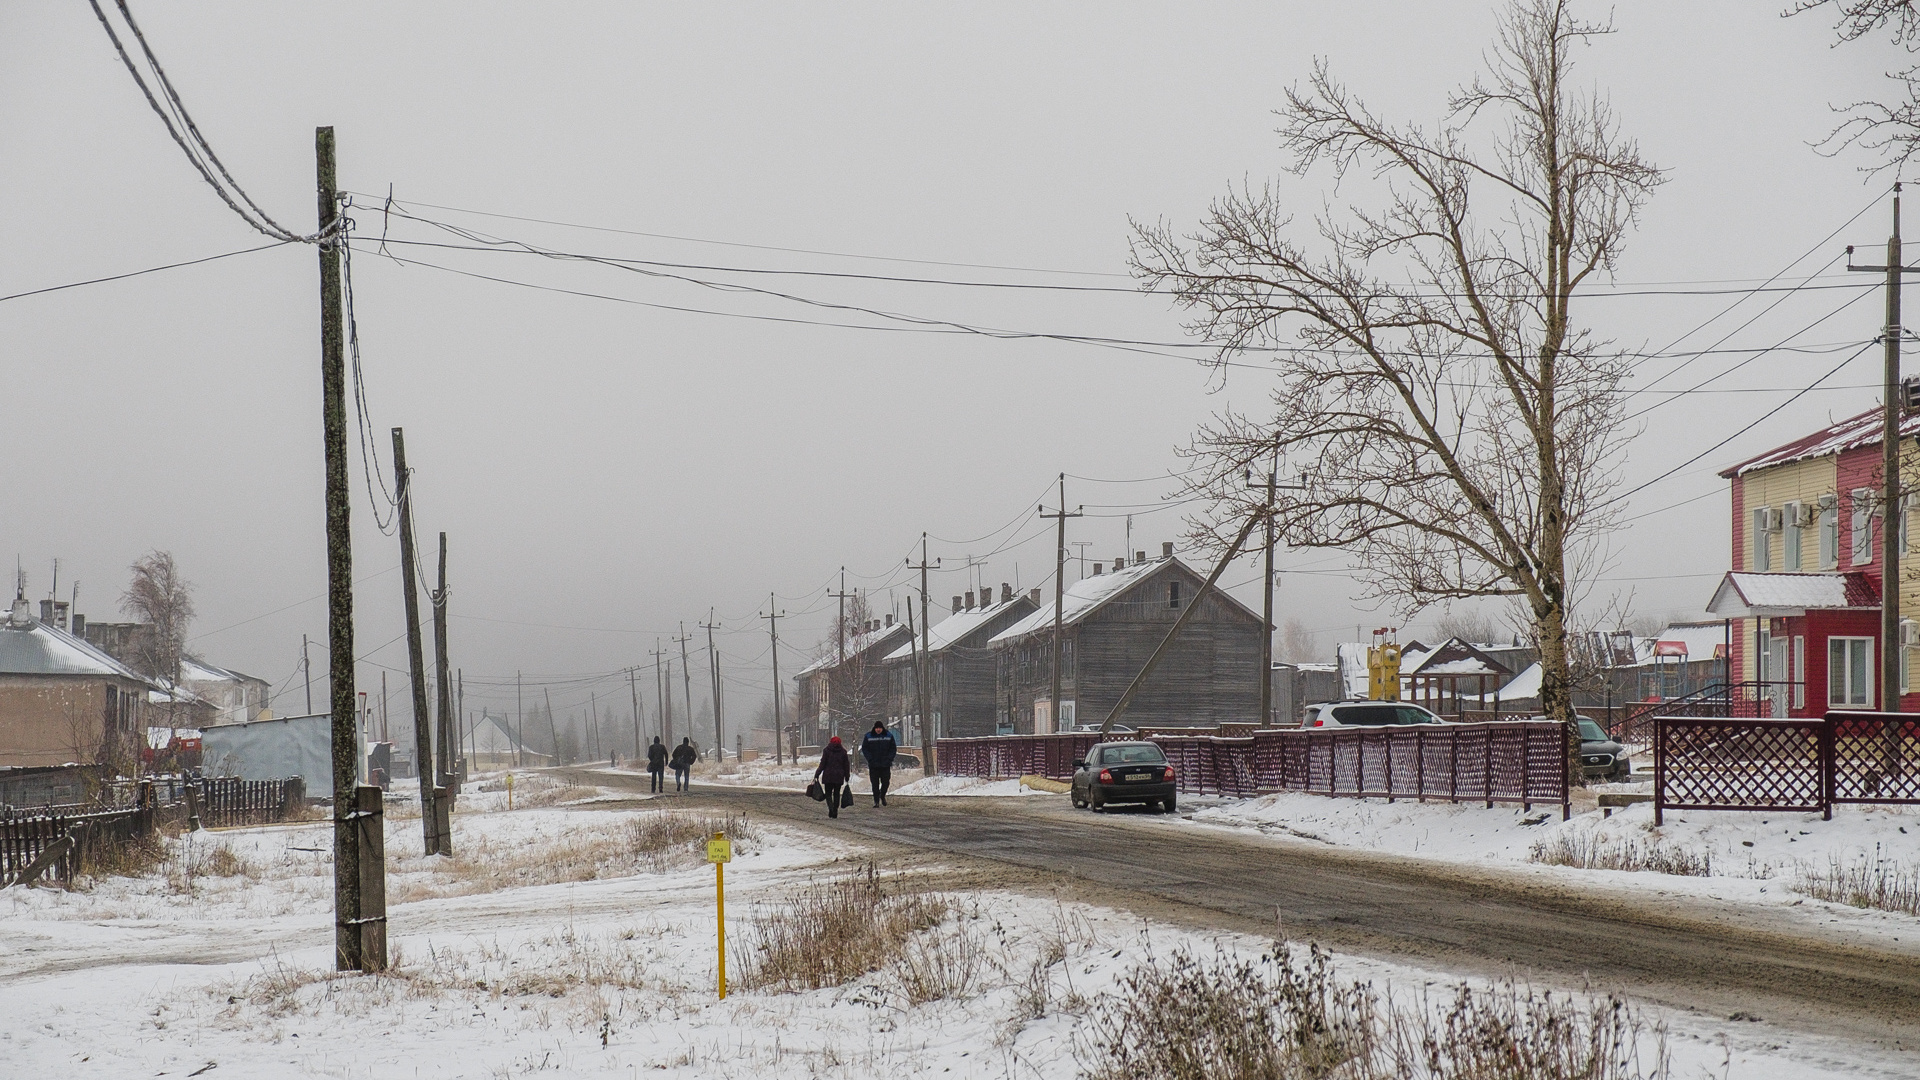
920	670
552	732
359	936
384	737
520	723
443	697
593	717
686	675
1892	657
633	688
1059	592
1271	486
306	669
1081	556
661	705
460	710
416	662
840	653
713	666
773	617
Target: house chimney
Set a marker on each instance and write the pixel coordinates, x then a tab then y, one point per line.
1033	594
969	599
1119	565
46	611
1139	557
1166	549
22	613
1006	593
1096	569
956	605
60	614
889	619
80	627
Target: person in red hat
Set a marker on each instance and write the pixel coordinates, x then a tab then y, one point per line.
834	771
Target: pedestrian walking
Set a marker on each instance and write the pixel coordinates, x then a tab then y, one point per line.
879	747
657	765
684	756
833	773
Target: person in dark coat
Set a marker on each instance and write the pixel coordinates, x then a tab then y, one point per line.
835	768
878	747
657	765
684	756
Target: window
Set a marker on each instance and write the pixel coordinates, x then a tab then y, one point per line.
1173	594
1862	526
1762	544
1795	531
1850	673
1799	673
1906	508
1132	754
1829	532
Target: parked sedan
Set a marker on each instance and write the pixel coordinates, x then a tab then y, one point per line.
1601	757
1123	772
1371	714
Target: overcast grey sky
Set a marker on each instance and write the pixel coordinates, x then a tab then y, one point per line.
607	470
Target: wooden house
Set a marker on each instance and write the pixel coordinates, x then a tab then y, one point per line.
1110	624
844	692
962	669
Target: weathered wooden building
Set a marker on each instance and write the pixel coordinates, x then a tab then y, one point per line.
62	700
843	693
962	669
1110	624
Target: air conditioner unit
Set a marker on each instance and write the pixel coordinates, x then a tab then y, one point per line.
1909	634
1796	514
1770	519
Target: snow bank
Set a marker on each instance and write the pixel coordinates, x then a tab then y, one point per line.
964	785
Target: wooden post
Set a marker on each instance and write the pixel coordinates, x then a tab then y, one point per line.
370	824
416	662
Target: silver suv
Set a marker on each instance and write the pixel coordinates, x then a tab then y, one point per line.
1367	714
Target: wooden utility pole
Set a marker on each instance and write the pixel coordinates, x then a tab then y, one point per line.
1892	656
384	737
661	705
1271	486
593	719
1059	591
633	688
773	617
1179	623
552	731
519	722
713	667
306	670
416	661
686	675
920	668
359	930
449	784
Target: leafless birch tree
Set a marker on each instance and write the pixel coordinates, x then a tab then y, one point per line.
1453	424
158	595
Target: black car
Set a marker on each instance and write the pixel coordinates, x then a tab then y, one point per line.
1601	758
1123	772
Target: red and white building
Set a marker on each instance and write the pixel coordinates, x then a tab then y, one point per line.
1804	593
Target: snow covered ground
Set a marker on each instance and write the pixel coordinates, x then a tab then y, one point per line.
570	941
1754	857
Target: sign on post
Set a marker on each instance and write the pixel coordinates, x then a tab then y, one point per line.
720	853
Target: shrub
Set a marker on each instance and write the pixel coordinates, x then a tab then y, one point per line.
831	933
1864	882
1589	851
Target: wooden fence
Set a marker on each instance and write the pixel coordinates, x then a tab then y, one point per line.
1808	765
61	842
1509	762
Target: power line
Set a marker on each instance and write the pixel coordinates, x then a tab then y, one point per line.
148	270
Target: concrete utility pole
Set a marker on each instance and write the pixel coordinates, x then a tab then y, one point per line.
773	617
713	668
633	688
920	671
359	886
686	675
1059	591
416	662
1892	657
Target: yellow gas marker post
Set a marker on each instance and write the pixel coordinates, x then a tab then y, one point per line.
509	791
720	853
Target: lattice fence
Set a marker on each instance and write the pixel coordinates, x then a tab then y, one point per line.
1724	763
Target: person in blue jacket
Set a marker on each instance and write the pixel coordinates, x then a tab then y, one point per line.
878	747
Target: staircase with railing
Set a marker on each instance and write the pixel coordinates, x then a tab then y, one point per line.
1755	699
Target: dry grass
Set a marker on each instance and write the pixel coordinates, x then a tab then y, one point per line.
656	841
1868	881
1590	852
944	961
1184	1018
834	932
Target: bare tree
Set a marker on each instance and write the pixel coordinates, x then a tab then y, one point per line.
1455	426
1471	625
1890	129
159	596
1297	644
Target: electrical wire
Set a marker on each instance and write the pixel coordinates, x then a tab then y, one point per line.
139	273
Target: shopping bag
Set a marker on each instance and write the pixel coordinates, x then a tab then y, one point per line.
846	796
816	792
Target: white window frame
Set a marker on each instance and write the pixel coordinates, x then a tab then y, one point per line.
1794	540
1853	697
1862	521
1906	508
1762	558
1829	532
1799	675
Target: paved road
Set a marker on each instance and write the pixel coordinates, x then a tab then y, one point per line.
1720	959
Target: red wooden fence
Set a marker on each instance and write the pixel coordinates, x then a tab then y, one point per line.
1512	762
1723	763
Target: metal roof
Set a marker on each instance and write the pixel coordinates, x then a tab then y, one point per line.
1853	433
856	645
957	626
1765	596
31	647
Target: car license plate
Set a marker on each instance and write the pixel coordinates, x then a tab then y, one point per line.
1140	776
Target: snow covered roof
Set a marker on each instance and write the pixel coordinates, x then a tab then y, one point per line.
1853	433
1691	641
857	644
31	647
957	626
1355	678
193	671
1766	596
1453	657
1083	598
1524	686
